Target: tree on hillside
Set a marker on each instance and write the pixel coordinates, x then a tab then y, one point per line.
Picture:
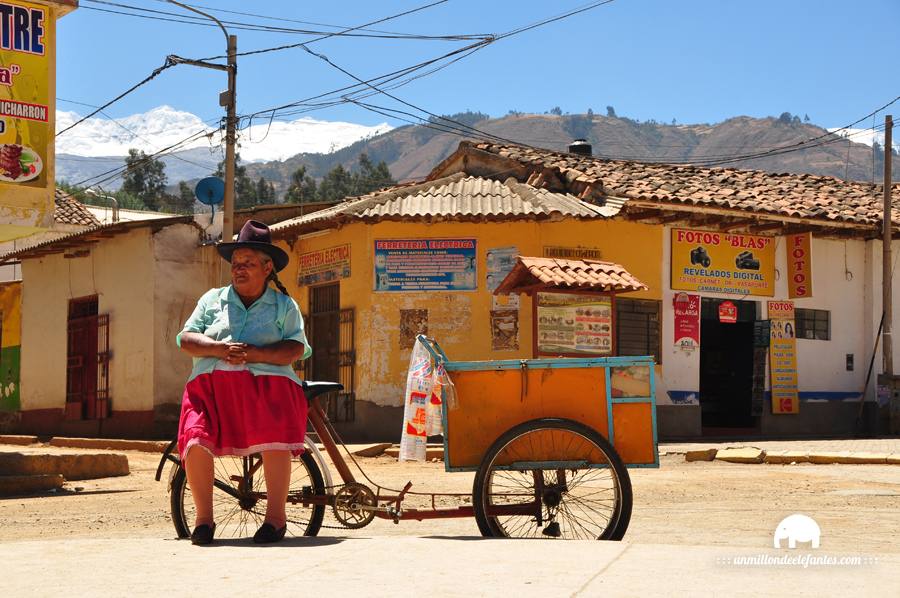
145	178
247	193
336	184
340	183
611	112
556	111
302	188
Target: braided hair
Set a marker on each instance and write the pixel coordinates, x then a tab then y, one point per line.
273	275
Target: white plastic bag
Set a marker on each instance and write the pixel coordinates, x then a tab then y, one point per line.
418	396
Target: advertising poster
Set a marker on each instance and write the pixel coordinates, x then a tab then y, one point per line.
799	266
500	262
574	325
728	312
25	127
505	330
425	265
324	265
573	253
715	262
783	357
687	321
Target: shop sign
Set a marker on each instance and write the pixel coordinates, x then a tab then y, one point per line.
324	265
687	321
576	325
783	357
799	266
25	129
573	253
728	312
715	262
425	265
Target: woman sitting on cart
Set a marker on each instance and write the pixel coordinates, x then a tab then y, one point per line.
243	397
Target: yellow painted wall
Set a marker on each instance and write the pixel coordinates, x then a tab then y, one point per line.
459	320
10	352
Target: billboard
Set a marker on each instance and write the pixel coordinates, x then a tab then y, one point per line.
425	265
799	265
26	38
783	357
719	262
575	325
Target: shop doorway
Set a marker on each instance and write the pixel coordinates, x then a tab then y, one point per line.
727	360
332	331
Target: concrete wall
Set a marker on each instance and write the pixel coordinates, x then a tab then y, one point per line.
10	347
182	272
120	272
460	320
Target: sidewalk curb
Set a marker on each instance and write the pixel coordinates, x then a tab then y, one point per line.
71	467
23	485
145	446
753	455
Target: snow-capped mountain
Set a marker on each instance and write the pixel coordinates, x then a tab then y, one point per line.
94	145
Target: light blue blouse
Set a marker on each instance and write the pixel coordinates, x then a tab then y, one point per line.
220	314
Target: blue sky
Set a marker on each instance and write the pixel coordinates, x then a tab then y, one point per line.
692	60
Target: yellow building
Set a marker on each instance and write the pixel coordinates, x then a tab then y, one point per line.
27	115
370	274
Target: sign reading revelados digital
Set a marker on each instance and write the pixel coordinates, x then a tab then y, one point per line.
25	33
783	357
722	262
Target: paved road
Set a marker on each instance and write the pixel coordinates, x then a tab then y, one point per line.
415	566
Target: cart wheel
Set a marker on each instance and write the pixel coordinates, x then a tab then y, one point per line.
552	478
239	497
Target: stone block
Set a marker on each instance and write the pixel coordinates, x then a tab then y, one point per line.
700	455
19	485
72	467
785	457
746	454
373	450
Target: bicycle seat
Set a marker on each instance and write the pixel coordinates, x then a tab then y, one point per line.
314	389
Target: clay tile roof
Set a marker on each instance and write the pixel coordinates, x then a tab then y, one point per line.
455	197
542	273
797	195
71	211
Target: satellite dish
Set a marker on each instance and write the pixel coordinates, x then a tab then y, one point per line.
210	191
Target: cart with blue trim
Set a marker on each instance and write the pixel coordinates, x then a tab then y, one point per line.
550	441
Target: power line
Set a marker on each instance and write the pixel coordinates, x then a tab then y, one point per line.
174	17
168	64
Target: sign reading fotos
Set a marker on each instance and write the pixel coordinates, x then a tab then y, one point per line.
715	262
799	265
324	265
425	265
25	128
578	325
783	357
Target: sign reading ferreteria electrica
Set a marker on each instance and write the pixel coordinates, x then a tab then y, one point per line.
26	32
324	265
425	265
717	262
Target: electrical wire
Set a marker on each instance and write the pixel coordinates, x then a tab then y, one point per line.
175	17
155	73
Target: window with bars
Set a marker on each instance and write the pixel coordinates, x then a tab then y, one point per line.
813	324
638	327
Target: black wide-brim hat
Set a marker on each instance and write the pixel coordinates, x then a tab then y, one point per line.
256	235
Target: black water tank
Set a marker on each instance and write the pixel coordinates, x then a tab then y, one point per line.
581	147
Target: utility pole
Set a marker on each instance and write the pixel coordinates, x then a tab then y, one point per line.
886	229
227	99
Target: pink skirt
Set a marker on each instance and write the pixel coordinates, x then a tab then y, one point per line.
237	413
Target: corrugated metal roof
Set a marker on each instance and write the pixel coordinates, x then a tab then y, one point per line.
542	273
456	197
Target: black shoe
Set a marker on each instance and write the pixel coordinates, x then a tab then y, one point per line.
203	534
267	534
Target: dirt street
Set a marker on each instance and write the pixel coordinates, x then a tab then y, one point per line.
856	506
